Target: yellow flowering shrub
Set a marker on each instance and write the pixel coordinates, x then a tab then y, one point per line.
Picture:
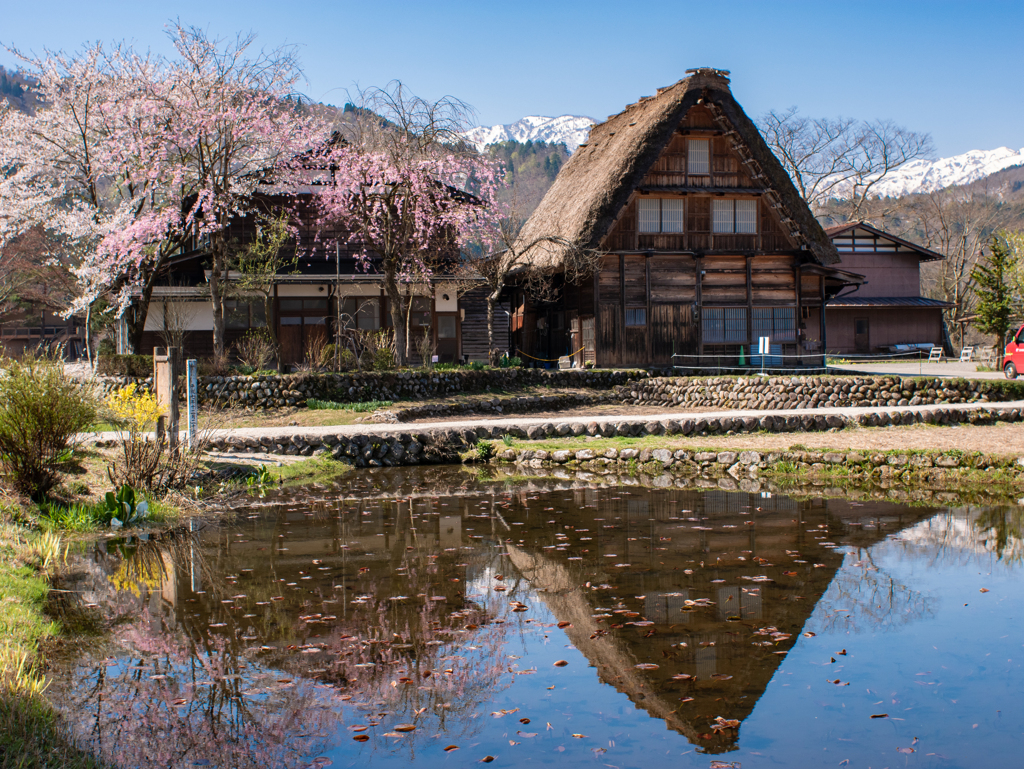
137	410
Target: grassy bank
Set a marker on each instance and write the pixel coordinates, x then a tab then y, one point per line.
31	733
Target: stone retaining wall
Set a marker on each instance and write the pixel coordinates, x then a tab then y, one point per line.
295	389
387	448
771	393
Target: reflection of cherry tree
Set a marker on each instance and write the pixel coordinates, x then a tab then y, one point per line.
863	596
175	701
192	691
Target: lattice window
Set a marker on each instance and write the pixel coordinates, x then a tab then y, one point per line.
636	316
698	158
724	325
776	323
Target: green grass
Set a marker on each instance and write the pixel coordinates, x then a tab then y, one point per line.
364	406
31	734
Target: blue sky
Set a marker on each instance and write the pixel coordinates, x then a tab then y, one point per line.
954	69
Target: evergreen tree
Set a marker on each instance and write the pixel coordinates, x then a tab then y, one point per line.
996	300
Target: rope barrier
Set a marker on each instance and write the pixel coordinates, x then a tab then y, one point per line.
550	360
891	356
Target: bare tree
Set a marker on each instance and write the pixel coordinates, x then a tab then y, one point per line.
507	257
840	160
956	222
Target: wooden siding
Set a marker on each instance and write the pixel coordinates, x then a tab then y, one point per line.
474	327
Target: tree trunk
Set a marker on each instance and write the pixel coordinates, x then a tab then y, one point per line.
396	306
135	319
492	354
217	293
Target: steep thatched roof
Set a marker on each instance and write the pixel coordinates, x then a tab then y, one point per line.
592	188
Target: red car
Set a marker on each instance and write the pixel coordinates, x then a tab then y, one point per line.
1013	361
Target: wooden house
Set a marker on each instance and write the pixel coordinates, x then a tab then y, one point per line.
705	245
323	296
888	310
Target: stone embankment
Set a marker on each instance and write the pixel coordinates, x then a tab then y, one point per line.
389	447
773	393
295	389
625	387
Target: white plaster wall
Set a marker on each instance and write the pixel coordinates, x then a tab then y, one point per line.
199	315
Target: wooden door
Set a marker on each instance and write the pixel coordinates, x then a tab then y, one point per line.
447	337
290	336
861	335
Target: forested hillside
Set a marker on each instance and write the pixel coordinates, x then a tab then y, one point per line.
530	169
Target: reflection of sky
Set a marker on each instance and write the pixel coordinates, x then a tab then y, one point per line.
951	678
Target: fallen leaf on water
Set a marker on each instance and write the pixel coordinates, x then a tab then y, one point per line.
579	736
450	748
486	759
405	728
361	737
513	742
720	676
527	734
524	720
905	750
550	726
551	687
646	666
983	590
561	663
179	702
564	624
393	734
357	728
682	677
789	573
879	715
809	634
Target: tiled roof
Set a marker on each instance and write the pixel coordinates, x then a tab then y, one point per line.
888	301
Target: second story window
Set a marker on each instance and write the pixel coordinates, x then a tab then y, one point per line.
734	216
698	157
660	214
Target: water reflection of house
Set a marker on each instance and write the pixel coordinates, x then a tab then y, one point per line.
714	644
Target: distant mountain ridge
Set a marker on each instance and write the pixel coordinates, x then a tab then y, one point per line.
570	130
932	175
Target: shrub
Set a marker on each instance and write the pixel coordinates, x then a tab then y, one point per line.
152	465
42	409
135	366
507	362
255	349
379	352
477	365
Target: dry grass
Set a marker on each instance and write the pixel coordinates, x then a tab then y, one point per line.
997	440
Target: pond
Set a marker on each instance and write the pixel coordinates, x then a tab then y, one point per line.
428	617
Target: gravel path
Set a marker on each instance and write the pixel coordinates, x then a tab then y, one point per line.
524	421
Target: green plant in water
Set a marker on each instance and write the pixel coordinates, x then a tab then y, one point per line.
507	439
126	508
259	480
484	450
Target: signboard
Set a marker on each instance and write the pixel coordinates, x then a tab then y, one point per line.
192	387
763	345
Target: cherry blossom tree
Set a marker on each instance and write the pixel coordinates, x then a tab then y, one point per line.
233	118
406	190
85	166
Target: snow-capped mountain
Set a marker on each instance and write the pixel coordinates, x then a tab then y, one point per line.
931	175
570	129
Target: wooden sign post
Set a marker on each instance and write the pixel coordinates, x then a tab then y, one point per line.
165	387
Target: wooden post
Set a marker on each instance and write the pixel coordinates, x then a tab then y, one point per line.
165	388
